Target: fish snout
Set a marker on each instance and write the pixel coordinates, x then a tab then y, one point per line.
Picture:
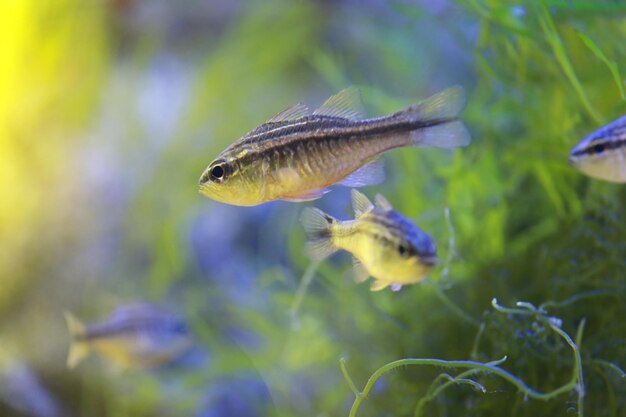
429	260
204	178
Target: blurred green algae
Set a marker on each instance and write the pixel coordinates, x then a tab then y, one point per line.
111	110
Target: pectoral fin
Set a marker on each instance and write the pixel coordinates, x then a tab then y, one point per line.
359	272
372	173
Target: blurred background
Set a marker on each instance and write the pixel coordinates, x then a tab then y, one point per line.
110	111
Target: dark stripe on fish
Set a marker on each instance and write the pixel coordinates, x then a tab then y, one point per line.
387	223
598	147
100	330
318	129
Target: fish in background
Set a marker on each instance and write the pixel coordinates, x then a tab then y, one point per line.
385	244
602	154
24	393
137	335
298	154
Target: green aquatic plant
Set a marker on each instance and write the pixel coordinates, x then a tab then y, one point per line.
522	308
540	75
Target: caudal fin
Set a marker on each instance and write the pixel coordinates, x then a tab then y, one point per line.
79	349
437	120
317	226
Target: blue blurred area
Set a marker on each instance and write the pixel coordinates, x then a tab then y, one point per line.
119	106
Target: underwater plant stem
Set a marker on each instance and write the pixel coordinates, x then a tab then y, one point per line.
302	289
462	378
478	366
346	375
610	392
451	244
553	38
479	335
452	306
577	373
524	308
578	297
445	272
610	365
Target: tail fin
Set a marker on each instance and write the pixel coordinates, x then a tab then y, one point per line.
78	347
439	115
317	226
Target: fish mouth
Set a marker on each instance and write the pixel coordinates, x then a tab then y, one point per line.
204	178
204	189
429	261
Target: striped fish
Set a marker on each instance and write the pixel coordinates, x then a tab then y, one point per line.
297	154
136	335
602	154
385	244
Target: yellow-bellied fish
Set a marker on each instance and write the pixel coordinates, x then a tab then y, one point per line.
602	154
297	154
385	244
137	335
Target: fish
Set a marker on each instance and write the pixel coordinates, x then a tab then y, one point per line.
602	154
297	154
385	244
136	335
24	393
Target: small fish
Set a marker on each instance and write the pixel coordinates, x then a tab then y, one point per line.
602	154
297	155
385	244
136	335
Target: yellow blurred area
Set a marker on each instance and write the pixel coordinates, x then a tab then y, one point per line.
53	58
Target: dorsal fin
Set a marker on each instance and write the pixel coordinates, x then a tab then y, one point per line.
360	203
382	203
346	104
294	112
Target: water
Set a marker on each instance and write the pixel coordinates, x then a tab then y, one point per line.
102	143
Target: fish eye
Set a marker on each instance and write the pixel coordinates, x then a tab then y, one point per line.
218	172
402	250
599	148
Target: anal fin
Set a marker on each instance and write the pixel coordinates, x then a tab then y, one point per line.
306	195
378	285
372	173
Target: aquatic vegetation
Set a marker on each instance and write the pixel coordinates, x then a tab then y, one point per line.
101	144
523	308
